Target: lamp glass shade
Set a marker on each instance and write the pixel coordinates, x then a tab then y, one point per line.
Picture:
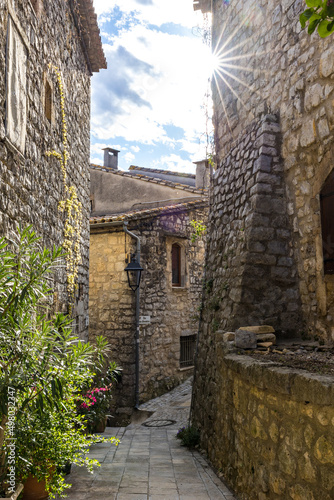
134	270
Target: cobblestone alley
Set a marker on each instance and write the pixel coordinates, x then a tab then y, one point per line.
149	462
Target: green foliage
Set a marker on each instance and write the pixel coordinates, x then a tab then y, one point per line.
208	285
199	229
43	367
320	16
214	325
189	436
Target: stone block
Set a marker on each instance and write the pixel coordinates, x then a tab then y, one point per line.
229	337
245	339
327	62
263	163
266	337
261	329
308	133
264	344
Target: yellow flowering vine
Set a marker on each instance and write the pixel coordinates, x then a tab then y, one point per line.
71	205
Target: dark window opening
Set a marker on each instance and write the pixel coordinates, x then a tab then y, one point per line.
176	265
187	350
48	101
327	223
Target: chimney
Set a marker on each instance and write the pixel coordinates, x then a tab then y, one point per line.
110	158
202	174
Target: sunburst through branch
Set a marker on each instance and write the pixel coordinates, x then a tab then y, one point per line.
228	61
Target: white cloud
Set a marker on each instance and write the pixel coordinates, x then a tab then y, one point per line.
154	79
129	157
135	149
175	163
96	161
156	12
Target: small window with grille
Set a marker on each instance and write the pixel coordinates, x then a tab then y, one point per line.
327	223
187	350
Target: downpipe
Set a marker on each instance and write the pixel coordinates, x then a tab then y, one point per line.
137	292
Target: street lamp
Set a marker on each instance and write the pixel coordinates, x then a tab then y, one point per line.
133	270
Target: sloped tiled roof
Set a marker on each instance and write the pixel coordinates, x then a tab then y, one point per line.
153	180
90	34
160	171
151	212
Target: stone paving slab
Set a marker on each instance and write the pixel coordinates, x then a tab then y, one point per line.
149	463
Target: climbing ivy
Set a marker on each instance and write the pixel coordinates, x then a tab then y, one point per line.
71	205
199	229
320	16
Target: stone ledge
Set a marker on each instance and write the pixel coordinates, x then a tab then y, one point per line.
298	384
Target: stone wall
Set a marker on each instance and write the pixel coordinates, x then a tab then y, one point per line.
112	306
251	273
290	74
31	184
269	429
173	311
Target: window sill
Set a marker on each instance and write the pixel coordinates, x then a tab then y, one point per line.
179	288
186	368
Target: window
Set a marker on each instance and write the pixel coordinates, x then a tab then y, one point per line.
48	101
187	350
327	223
16	103
176	265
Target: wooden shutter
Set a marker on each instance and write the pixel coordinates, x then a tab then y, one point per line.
16	104
176	265
327	223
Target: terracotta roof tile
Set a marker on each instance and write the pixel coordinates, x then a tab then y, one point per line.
149	212
160	171
90	34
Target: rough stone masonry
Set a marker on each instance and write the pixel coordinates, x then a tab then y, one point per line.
274	127
269	428
34	35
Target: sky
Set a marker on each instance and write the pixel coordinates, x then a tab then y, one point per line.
151	102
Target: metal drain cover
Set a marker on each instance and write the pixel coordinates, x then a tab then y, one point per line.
159	423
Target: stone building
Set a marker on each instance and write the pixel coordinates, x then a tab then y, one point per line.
158	206
35	37
271	197
270	250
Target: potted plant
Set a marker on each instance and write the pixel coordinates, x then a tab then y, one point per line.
94	405
43	368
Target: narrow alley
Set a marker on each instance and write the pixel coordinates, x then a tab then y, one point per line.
149	462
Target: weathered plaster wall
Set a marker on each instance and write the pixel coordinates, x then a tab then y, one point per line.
289	74
128	193
30	183
268	429
173	311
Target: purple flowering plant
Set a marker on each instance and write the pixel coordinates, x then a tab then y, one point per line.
95	400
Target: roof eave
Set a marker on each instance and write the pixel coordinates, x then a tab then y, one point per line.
90	35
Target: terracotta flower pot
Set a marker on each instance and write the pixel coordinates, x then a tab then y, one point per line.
34	489
101	425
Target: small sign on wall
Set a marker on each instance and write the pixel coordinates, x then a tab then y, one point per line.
144	320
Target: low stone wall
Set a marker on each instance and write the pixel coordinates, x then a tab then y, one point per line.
268	428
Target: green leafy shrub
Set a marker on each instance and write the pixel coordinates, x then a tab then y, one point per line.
43	370
320	16
189	436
